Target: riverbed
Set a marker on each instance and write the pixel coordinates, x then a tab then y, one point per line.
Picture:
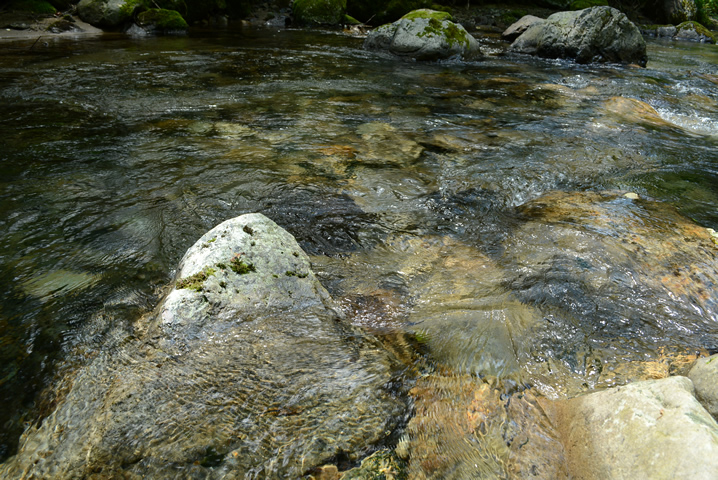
416	188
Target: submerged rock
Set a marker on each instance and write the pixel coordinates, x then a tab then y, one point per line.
704	376
424	35
384	464
618	279
245	370
464	427
653	429
597	34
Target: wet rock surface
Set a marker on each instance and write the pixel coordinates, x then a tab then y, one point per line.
601	267
653	429
597	34
245	370
424	35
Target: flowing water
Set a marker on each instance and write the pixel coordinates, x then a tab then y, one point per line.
413	187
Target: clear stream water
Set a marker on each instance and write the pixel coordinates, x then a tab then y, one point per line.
116	154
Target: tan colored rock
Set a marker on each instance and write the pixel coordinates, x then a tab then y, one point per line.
653	430
704	375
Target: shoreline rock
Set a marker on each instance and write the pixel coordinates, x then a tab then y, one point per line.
651	429
424	35
597	34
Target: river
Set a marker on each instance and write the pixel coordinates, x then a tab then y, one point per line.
119	153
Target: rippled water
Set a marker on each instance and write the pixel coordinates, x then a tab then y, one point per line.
400	179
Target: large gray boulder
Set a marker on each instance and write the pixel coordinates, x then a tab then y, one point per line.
424	35
704	375
244	371
105	13
597	34
653	429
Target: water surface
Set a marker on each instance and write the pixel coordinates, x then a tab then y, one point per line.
117	154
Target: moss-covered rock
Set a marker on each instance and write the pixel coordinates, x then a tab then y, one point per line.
161	19
319	12
694	31
424	35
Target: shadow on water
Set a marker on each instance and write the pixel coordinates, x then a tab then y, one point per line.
416	187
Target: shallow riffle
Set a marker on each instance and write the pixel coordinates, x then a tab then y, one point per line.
471	216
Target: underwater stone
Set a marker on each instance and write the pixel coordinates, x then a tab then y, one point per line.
252	373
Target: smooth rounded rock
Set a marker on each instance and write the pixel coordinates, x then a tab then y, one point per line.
652	429
424	35
704	376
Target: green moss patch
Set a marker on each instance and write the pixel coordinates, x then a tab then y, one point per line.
196	281
437	27
429	14
128	9
319	12
162	19
239	267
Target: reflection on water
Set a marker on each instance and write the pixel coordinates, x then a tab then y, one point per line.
401	179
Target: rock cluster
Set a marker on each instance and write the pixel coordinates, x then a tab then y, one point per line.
597	34
687	31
